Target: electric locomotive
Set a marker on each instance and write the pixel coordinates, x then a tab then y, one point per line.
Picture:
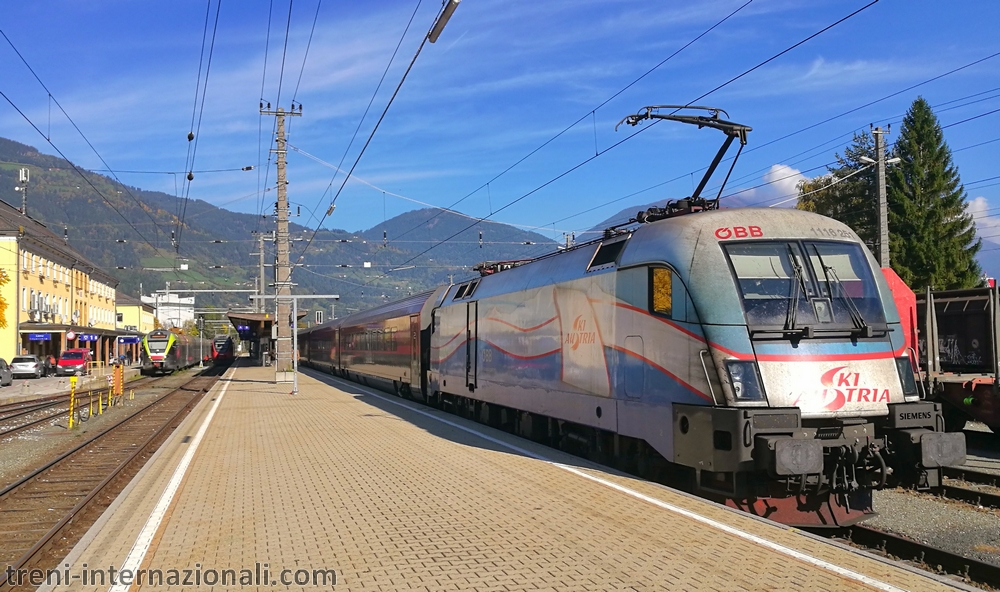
754	356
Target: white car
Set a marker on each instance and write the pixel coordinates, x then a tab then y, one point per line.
27	366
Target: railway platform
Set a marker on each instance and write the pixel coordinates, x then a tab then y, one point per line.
27	388
279	491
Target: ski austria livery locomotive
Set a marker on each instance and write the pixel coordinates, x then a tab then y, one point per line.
165	351
754	356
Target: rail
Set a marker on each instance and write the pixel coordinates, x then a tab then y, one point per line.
72	475
928	557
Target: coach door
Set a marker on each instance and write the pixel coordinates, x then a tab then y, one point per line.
414	349
471	344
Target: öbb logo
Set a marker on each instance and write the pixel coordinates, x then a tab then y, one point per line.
738	232
842	387
580	334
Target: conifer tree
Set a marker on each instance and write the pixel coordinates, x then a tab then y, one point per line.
932	239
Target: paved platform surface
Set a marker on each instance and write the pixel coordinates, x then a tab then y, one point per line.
396	496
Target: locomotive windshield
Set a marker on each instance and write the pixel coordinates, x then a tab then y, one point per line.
807	286
156	346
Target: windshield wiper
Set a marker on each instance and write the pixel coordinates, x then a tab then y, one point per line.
861	327
793	300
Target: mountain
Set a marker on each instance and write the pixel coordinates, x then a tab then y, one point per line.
216	243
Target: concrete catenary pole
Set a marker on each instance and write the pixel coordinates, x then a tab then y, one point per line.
883	202
282	268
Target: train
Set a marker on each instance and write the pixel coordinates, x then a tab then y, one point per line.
223	350
753	356
165	351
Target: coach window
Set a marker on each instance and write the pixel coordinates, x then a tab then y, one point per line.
661	291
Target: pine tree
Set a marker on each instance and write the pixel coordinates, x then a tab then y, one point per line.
849	193
932	239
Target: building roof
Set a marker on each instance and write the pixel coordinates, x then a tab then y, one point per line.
14	223
123	299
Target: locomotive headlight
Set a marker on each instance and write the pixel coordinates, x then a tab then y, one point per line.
744	380
905	371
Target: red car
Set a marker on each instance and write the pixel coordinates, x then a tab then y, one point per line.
74	362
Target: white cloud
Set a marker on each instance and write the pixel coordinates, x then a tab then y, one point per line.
987	222
780	189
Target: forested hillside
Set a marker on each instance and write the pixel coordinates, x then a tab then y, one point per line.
360	266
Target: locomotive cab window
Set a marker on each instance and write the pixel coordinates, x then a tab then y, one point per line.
465	290
661	291
607	253
800	285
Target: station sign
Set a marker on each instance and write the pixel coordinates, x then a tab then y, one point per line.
39	336
88	337
129	339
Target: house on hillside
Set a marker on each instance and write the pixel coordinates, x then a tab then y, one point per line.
56	298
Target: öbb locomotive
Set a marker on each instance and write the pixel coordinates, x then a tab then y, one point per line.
165	351
753	356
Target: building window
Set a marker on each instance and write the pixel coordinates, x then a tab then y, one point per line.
24	299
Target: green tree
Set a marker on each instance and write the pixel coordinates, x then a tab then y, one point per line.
932	238
849	193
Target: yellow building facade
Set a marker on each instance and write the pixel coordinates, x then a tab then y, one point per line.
56	299
134	315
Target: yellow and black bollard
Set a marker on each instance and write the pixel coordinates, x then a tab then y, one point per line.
72	400
72	404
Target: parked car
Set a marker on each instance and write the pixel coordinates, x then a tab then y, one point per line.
6	376
74	362
28	365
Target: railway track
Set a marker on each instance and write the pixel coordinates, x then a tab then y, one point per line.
925	556
22	415
973	496
43	514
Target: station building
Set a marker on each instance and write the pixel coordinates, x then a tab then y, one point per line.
134	318
56	298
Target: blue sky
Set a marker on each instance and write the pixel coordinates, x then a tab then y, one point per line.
504	78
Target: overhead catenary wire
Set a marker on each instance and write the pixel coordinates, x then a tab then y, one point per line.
333	202
52	99
260	121
896	119
79	172
364	115
196	130
587	114
305	57
717	88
